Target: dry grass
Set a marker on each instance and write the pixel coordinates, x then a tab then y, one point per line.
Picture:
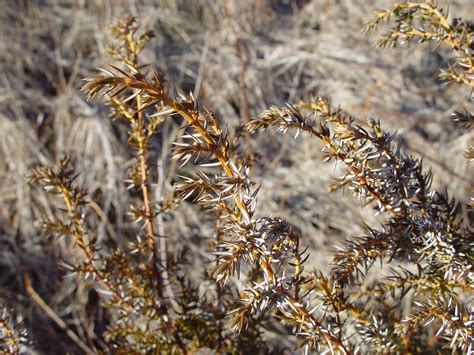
286	54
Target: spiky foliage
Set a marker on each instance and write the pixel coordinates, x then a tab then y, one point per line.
425	22
422	227
12	336
154	305
266	245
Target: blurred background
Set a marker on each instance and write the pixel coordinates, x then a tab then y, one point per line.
237	58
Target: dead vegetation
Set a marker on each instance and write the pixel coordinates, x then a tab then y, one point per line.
238	58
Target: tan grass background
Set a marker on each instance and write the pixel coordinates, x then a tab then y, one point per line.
233	55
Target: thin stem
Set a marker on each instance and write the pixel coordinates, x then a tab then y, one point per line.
429	7
304	313
51	314
151	236
354	169
298	268
162	238
144	187
88	253
219	292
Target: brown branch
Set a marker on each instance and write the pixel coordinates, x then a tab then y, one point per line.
354	169
151	236
76	219
54	317
296	304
